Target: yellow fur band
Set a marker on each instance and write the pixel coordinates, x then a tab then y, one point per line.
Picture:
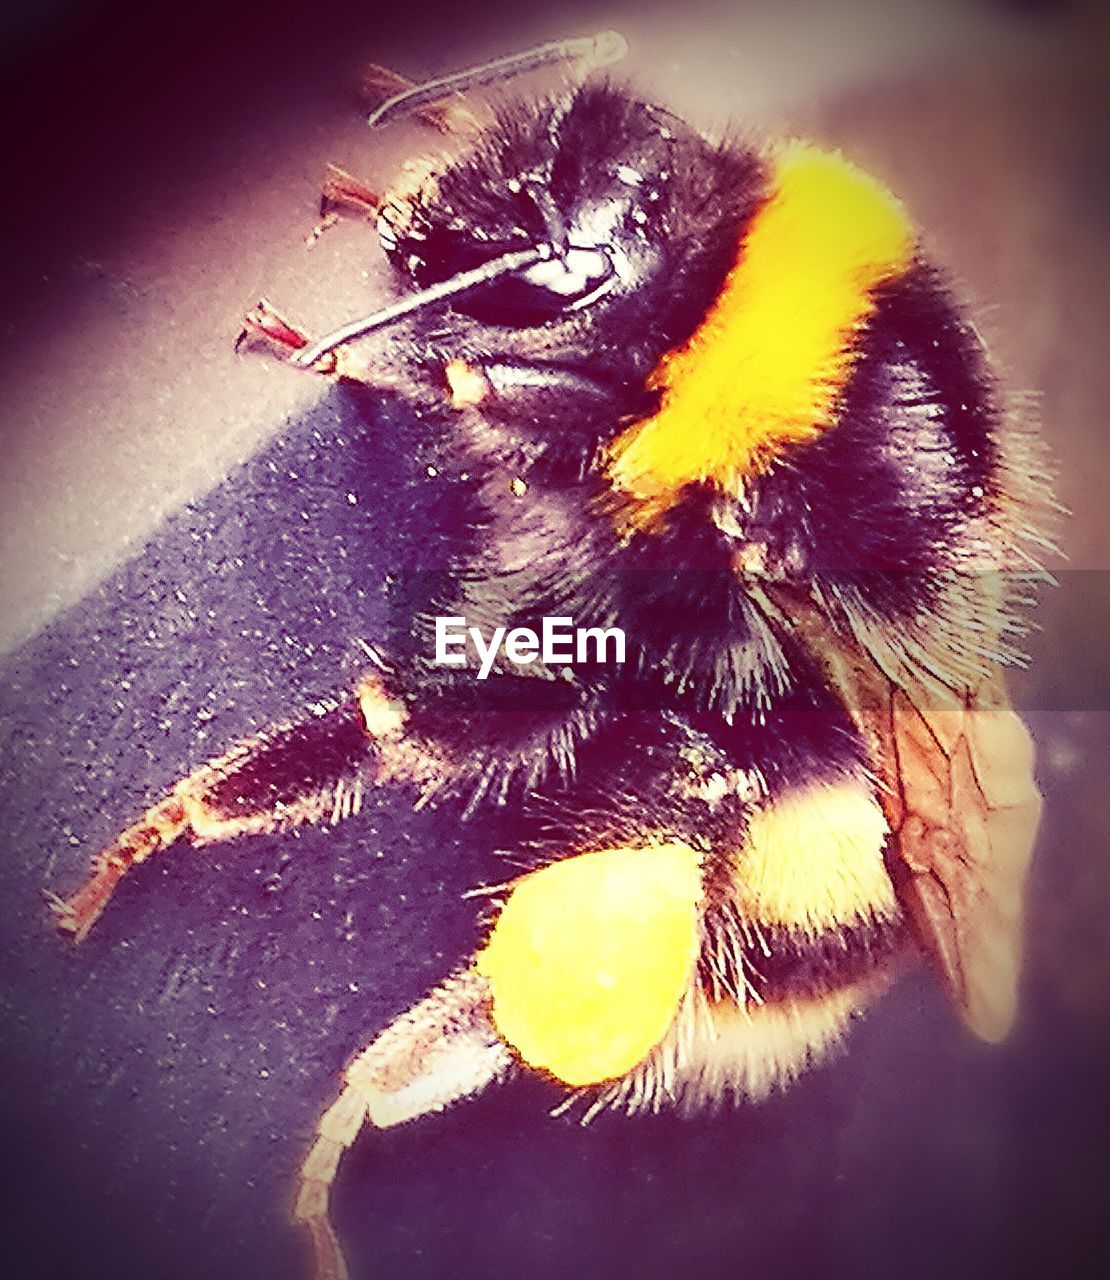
813	860
768	363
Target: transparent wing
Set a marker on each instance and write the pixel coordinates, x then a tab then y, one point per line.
969	815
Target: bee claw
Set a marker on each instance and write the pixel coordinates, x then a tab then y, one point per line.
63	915
326	222
343	190
56	902
265	324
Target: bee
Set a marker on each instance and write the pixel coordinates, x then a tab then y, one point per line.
714	395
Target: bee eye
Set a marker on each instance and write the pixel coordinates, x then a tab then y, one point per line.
544	291
572	278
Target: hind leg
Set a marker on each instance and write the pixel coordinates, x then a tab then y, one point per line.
443	1049
310	770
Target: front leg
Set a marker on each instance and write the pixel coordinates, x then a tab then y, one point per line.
309	770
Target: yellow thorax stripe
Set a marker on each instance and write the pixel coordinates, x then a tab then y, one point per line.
767	364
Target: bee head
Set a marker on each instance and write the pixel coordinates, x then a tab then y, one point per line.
639	218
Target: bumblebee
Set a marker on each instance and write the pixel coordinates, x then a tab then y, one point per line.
713	394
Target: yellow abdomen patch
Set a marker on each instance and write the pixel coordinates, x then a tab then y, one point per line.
591	957
767	364
813	860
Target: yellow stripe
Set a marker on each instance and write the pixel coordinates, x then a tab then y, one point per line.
813	860
767	365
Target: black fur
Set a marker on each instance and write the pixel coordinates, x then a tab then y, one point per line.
291	764
750	961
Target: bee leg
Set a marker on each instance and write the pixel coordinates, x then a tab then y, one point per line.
306	771
427	100
264	325
443	1049
524	391
447	113
342	193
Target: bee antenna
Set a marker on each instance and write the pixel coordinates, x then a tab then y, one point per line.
595	51
463	282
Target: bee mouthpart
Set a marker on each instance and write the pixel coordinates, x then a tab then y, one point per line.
521	387
467	386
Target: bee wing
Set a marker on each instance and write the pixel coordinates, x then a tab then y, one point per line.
962	804
965	810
